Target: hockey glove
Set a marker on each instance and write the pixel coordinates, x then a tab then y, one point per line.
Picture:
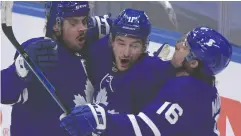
84	120
43	51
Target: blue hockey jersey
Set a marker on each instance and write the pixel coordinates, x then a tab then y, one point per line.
184	106
117	89
36	113
130	91
136	104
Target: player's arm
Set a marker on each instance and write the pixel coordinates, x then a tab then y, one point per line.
168	114
14	79
160	71
11	85
99	26
162	116
103	24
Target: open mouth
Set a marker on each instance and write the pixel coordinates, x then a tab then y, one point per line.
81	39
125	62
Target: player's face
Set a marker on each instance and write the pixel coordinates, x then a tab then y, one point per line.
74	32
127	50
182	49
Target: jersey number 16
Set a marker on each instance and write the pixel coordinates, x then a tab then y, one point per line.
173	112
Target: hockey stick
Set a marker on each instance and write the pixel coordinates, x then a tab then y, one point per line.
8	31
170	12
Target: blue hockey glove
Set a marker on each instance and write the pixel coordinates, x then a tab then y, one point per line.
43	51
85	120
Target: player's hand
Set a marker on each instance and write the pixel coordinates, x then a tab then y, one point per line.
84	120
43	51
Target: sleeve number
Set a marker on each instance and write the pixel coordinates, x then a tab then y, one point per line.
173	112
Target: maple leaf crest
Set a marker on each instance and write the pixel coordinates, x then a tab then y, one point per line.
79	100
102	97
89	90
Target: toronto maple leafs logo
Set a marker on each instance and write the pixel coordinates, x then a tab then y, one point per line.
102	98
89	90
106	82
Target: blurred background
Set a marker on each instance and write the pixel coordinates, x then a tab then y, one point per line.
170	20
181	17
222	16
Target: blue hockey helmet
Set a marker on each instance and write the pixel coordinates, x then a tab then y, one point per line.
132	22
57	10
211	48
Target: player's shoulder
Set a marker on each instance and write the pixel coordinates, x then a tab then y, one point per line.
100	50
99	46
191	82
154	63
150	60
100	43
180	88
104	41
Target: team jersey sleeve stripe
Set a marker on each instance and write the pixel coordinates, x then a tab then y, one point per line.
135	125
99	24
149	122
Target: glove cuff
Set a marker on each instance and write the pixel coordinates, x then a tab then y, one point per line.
99	115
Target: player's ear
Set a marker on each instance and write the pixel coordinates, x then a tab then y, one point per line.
56	30
193	64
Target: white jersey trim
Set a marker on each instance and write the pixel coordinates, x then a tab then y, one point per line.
149	122
135	125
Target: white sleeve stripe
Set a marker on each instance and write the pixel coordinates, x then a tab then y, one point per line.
149	122
99	24
135	125
161	109
107	30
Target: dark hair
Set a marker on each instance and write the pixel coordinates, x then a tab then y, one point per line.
199	74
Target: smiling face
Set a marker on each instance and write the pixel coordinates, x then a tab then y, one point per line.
74	32
127	51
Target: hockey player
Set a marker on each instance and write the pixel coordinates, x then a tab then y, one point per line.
62	60
187	104
121	69
118	60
